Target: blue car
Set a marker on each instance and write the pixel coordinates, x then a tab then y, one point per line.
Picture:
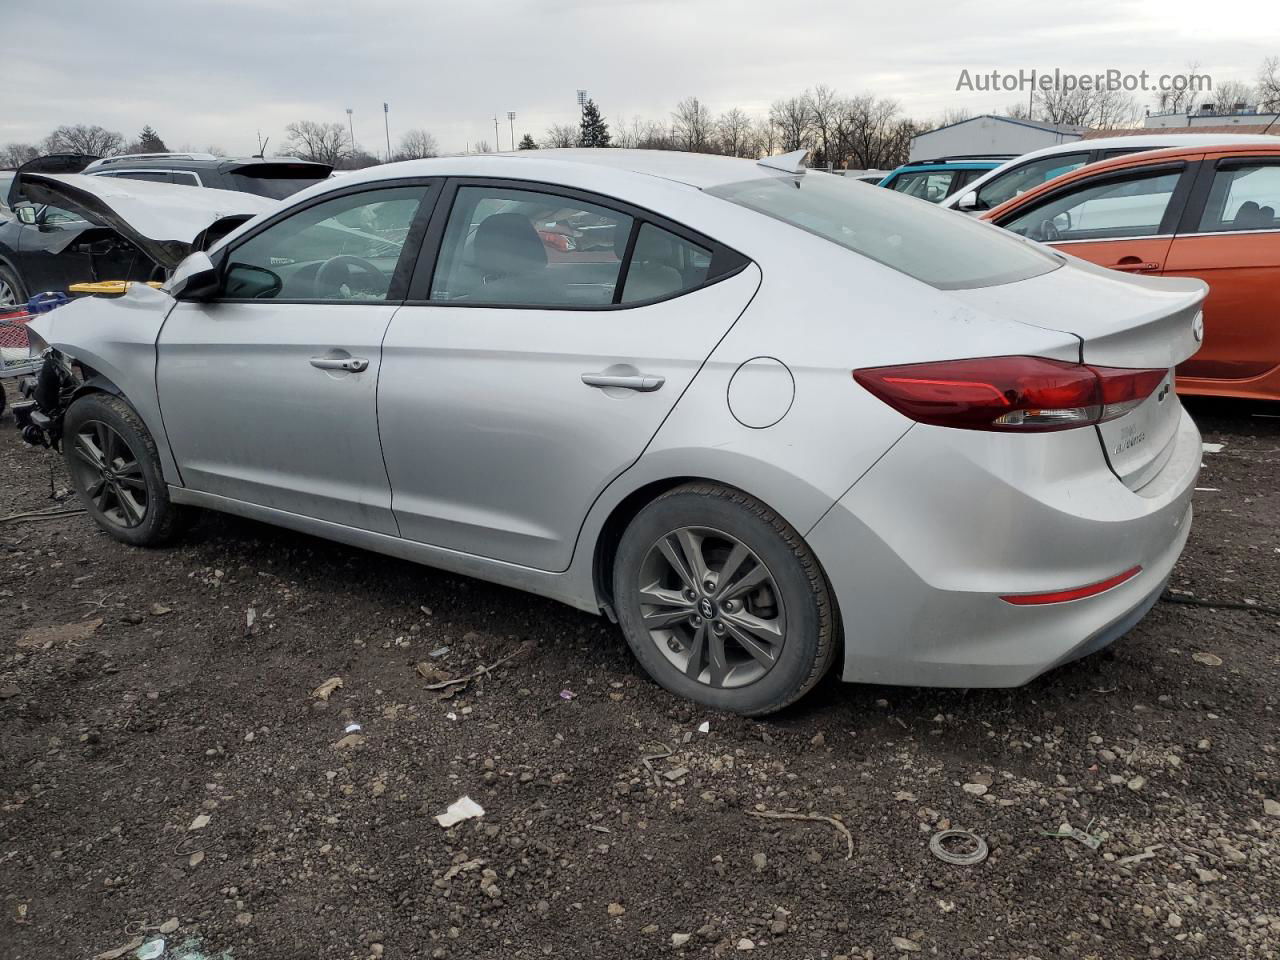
935	180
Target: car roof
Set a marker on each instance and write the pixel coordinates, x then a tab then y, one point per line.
1141	159
701	170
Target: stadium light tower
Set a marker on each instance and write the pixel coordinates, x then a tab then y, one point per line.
511	119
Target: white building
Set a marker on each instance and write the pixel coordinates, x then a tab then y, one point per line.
990	135
1240	116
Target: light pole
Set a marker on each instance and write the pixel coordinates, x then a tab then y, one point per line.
511	119
582	107
497	144
386	123
351	127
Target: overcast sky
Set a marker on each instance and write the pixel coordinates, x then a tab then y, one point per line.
216	72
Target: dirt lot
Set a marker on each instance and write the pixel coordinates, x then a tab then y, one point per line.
154	707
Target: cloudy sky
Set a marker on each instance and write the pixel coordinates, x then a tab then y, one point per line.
218	72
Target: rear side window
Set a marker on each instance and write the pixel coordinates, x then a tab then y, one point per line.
935	246
1100	209
523	247
275	180
154	176
663	265
931	185
1018	180
1243	198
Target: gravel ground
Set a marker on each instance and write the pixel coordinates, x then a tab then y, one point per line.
166	771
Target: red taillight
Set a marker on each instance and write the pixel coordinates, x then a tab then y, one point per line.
1028	394
1075	593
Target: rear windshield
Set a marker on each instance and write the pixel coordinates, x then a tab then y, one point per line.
276	181
943	248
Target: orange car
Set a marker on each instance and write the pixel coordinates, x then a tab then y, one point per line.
1206	212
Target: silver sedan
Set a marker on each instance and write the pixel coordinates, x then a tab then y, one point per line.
767	420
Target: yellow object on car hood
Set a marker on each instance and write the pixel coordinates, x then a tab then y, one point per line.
108	287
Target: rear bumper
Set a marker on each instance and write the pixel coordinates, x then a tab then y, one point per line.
920	551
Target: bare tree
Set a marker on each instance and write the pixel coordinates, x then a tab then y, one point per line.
794	122
84	138
879	137
561	135
1103	109
319	142
1181	100
1228	94
733	130
766	136
1269	85
482	146
16	154
691	125
1018	111
417	144
825	109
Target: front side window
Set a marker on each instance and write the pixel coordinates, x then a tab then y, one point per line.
524	247
1243	198
1018	180
1100	210
931	185
344	249
932	245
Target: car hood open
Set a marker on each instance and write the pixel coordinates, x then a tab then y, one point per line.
163	220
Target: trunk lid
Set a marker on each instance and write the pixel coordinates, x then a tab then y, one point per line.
1122	321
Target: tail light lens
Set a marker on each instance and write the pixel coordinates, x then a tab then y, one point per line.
1017	394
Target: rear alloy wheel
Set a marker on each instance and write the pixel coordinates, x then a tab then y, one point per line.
11	293
722	601
115	470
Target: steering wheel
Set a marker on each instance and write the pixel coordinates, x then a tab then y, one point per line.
342	270
1049	233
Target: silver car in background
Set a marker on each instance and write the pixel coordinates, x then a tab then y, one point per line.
767	420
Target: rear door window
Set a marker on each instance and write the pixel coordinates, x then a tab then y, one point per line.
931	185
1243	197
528	248
153	176
1019	180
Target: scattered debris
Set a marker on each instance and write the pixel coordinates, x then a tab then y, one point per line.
1207	490
250	622
323	691
704	726
35	515
1212	447
1208	659
567	694
119	952
200	822
975	789
159	610
151	949
438	652
196	859
680	939
168	927
351	728
814	817
349	742
523	648
648	759
464	808
431	673
464	867
1148	853
676	773
41	638
1136	783
1270	807
1090	840
905	945
905	796
975	848
616	909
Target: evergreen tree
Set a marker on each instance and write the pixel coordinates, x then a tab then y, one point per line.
149	141
594	131
526	143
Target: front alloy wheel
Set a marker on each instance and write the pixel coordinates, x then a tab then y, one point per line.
109	473
711	607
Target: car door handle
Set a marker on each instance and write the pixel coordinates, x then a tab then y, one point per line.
1136	265
643	384
353	364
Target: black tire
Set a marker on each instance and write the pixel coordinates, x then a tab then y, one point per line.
115	512
12	281
802	607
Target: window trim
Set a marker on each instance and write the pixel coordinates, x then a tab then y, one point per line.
725	261
408	253
1188	225
1187	169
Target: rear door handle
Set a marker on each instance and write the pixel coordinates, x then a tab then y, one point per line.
1136	265
643	384
353	364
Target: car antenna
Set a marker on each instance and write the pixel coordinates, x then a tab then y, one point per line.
787	162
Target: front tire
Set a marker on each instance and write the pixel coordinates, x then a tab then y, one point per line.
115	470
722	601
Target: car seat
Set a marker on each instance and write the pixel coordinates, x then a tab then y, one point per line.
653	273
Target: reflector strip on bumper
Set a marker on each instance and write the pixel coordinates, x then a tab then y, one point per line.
1077	593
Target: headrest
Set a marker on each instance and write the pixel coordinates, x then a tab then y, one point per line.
506	244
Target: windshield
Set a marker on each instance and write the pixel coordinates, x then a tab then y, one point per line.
939	247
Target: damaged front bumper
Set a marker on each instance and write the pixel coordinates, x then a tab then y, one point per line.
45	399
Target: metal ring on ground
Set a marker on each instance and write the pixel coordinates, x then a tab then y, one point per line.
977	855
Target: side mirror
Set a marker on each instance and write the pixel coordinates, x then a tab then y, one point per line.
195	278
968	202
26	213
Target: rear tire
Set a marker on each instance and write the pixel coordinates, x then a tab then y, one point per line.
722	601
12	292
115	470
